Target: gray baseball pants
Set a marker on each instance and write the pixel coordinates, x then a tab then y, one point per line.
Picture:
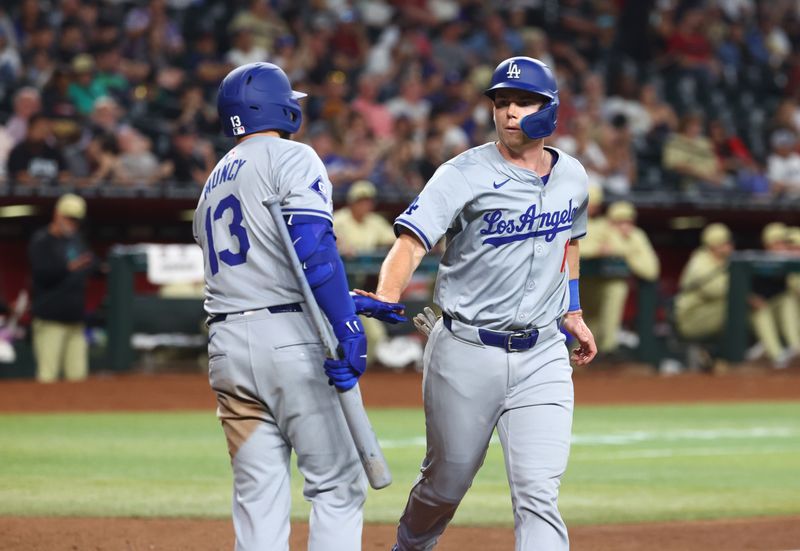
470	389
273	397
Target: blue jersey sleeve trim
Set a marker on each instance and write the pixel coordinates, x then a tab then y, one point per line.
418	232
581	236
311	212
295	219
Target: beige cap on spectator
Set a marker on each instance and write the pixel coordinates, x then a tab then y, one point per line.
82	63
794	236
362	189
775	232
595	196
621	211
71	206
715	235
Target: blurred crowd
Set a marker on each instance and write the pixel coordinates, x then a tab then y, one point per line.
691	96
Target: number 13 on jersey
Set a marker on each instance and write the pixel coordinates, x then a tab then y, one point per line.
236	230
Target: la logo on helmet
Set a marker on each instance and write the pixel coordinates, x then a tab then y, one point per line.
513	71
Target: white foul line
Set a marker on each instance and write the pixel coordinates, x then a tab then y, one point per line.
632	437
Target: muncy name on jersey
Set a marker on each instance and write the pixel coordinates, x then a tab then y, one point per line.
527	225
225	173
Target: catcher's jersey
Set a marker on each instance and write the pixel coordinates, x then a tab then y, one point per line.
245	263
504	266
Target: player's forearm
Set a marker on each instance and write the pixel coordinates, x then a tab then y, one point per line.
403	258
574	259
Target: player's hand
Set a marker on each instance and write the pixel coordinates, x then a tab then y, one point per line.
344	373
389	312
80	262
425	321
587	349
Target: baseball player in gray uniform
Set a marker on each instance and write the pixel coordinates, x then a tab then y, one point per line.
512	212
265	359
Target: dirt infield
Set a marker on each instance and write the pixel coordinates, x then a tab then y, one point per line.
164	392
137	392
103	534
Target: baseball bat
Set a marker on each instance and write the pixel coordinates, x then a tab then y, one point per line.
369	451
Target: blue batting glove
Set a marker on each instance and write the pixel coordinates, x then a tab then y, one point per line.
344	373
388	312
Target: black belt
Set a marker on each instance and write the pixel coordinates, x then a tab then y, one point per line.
513	341
279	309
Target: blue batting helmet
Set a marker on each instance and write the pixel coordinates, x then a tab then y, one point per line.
256	97
531	75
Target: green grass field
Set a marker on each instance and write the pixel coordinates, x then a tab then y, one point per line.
627	464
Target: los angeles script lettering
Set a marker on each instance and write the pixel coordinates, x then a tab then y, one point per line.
529	224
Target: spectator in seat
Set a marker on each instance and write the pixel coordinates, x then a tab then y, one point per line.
190	159
110	74
204	63
244	50
690	155
10	62
27	103
55	97
582	145
95	163
106	117
137	165
661	117
36	161
264	22
617	144
411	103
691	50
378	117
737	162
6	144
195	112
783	164
85	89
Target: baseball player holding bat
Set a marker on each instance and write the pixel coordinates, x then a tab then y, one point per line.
512	211
266	359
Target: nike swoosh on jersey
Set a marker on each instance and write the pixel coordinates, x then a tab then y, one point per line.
501	184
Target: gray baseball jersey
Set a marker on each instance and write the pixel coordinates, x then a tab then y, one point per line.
246	267
265	358
502	218
504	269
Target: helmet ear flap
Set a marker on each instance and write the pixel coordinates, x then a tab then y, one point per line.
542	123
